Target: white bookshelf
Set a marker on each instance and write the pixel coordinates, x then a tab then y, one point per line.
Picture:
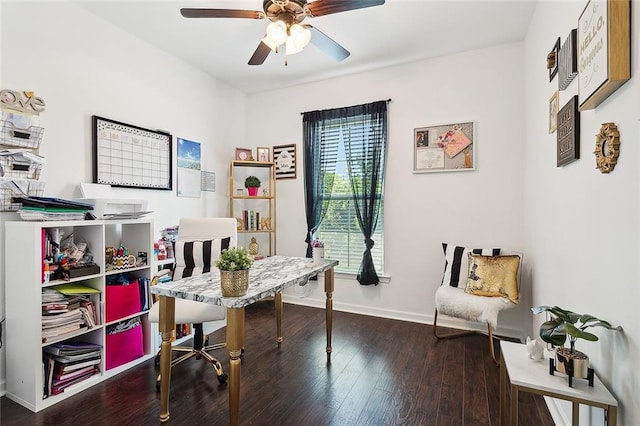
24	284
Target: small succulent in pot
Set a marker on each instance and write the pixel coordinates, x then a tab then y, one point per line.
252	182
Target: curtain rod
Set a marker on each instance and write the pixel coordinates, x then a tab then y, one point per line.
386	100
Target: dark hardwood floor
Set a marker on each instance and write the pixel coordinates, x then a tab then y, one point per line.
383	372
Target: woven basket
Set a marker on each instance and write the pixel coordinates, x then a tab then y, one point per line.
234	283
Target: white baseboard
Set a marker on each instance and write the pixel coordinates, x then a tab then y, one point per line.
445	321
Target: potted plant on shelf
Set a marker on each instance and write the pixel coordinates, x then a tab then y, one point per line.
569	324
252	184
234	264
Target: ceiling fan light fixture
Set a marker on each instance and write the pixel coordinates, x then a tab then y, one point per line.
290	47
301	36
277	32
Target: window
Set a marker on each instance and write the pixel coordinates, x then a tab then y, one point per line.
339	229
344	158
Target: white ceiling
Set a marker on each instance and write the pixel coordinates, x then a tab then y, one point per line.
399	31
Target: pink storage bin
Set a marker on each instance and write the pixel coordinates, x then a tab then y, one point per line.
122	301
124	347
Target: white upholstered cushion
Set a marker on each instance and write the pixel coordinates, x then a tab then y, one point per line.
190	312
455	302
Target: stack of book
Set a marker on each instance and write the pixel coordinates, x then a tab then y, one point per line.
48	208
69	363
63	314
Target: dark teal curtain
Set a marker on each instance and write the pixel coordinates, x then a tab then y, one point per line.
366	148
319	168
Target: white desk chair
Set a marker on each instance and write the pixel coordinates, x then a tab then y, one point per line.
198	245
453	300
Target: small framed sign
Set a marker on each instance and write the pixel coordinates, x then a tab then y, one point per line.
568	132
285	158
244	154
604	53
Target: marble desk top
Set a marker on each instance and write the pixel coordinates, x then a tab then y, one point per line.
266	278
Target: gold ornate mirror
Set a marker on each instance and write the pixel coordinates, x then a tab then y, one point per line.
607	147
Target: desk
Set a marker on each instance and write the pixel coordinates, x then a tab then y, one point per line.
267	278
533	377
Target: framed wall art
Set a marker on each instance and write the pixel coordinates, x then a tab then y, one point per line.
444	148
130	156
263	154
286	162
553	112
567	61
244	154
604	53
568	135
552	60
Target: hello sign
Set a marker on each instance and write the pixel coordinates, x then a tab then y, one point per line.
21	101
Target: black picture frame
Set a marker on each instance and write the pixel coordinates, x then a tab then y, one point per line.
130	156
568	133
284	156
552	58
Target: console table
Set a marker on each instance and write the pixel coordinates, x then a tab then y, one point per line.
267	278
531	376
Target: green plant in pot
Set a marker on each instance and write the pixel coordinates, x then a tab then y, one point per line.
252	184
567	324
234	264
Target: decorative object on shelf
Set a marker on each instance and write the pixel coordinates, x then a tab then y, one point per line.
253	247
240	223
23	102
607	147
535	349
553	112
444	148
263	154
318	252
285	158
555	331
265	224
552	60
239	192
568	134
244	154
265	192
234	264
252	184
116	143
568	60
122	259
605	50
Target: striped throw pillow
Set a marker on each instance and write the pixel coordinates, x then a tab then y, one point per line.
197	257
456	263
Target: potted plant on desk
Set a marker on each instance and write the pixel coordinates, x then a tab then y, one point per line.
569	324
252	184
234	264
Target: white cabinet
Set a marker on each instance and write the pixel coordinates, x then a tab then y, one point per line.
24	242
256	214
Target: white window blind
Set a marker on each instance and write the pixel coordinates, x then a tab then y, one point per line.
339	229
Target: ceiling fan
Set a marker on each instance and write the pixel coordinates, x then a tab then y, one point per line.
285	28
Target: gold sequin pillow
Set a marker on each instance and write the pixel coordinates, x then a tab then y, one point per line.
494	276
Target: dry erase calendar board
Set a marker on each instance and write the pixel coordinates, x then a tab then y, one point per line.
130	156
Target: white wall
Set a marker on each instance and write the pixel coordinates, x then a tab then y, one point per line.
582	226
81	65
476	208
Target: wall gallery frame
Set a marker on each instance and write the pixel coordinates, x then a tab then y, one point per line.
604	55
554	101
568	135
444	148
286	161
552	60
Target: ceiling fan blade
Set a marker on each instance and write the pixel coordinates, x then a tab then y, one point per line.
260	55
221	13
327	7
327	44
